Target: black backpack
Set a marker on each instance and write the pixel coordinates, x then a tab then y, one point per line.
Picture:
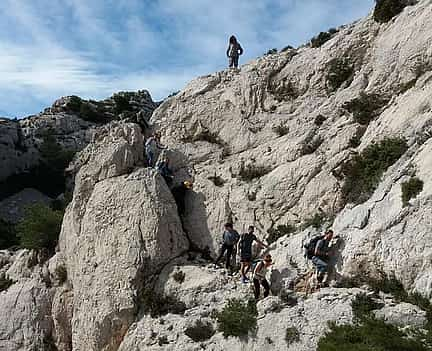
311	245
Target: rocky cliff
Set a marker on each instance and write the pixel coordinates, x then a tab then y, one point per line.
292	143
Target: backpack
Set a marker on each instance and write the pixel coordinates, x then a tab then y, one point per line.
230	238
242	245
311	245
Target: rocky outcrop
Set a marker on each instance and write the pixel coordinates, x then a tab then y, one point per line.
121	227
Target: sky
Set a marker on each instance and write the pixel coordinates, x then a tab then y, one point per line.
53	48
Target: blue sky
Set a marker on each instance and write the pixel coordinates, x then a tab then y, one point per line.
51	48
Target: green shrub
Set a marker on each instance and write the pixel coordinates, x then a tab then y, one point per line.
316	221
283	91
53	154
252	172
292	335
237	318
5	282
286	48
281	130
271	51
355	140
217	180
179	276
8	237
121	103
340	70
312	145
385	10
279	231
93	112
200	331
319	120
366	107
163	340
411	189
364	171
370	335
158	305
363	305
322	38
74	104
61	274
404	87
40	227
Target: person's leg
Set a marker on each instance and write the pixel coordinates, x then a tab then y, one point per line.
222	251
321	267
229	249
149	156
266	287
236	60
242	269
256	284
231	62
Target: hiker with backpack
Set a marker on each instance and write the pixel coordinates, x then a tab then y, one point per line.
233	52
318	251
151	146
230	238
245	250
259	276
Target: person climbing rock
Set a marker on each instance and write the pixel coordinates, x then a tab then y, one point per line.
165	171
321	255
233	52
245	250
230	238
179	194
151	146
259	276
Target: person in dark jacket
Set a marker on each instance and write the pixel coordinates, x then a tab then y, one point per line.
165	171
230	238
233	52
322	255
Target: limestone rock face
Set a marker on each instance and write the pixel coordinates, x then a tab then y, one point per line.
121	226
265	144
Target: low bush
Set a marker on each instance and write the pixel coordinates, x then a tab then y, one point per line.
292	335
312	145
279	231
93	112
8	237
370	335
163	340
363	305
200	331
121	103
283	90
355	140
158	305
217	180
271	52
39	228
74	104
366	107
364	171
319	120
179	276
281	130
411	189
237	318
252	171
5	282
61	273
286	48
340	70
385	10
322	38
316	221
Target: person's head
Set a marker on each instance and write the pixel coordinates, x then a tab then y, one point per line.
232	39
268	260
228	226
251	229
328	235
187	184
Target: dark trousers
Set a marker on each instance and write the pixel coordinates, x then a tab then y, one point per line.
265	285
229	250
233	61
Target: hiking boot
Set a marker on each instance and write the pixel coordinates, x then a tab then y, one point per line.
244	280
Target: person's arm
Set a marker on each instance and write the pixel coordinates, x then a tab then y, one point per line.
240	52
228	50
261	243
319	249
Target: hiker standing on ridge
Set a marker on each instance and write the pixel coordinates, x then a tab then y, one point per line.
322	255
230	238
233	52
245	250
259	276
151	144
